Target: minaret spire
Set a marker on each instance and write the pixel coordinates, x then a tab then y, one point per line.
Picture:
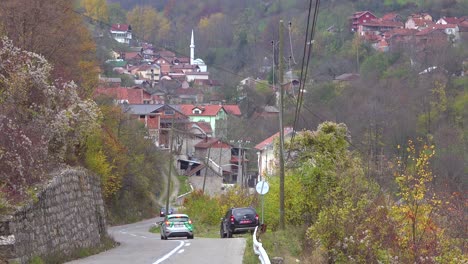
192	50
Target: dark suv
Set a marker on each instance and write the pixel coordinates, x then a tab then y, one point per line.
238	220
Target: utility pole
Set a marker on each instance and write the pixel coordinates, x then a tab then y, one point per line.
281	147
239	168
207	165
170	168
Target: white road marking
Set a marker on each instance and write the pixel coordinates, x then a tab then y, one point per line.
180	251
187	244
181	244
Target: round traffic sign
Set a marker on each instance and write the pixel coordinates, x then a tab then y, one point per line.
262	187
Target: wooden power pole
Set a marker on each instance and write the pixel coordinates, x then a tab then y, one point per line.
169	178
281	147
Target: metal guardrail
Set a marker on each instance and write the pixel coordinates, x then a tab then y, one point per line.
259	250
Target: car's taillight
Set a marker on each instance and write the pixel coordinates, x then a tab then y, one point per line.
167	223
232	219
256	217
190	221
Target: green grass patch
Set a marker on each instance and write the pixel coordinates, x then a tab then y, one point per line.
286	244
184	186
155	229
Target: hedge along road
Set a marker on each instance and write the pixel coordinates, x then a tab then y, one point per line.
138	245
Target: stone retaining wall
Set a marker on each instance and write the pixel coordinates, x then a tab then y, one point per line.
68	214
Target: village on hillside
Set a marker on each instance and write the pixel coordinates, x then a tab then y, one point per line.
176	94
418	31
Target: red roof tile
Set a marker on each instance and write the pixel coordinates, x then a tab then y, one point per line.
390	16
383	23
212	143
133	96
361	13
131	55
400	32
232	110
443	26
205	126
268	141
427	31
207	110
464	26
120	27
455	20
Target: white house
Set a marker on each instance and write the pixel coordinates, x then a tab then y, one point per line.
267	161
121	33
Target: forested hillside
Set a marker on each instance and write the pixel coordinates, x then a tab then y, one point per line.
48	73
381	158
390	103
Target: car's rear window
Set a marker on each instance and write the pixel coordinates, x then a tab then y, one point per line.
243	211
178	219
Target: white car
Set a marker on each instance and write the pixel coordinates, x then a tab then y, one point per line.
176	225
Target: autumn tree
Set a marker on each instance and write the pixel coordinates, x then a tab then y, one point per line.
96	9
149	24
420	238
116	14
54	30
42	123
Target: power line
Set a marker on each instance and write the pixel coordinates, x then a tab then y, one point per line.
302	81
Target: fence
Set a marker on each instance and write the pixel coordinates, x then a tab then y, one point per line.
259	250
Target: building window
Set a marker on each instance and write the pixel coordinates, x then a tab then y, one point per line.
169	112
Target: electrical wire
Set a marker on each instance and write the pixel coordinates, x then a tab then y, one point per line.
290	45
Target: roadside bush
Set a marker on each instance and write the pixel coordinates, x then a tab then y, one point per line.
202	208
237	197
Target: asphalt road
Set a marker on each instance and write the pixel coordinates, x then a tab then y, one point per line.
138	245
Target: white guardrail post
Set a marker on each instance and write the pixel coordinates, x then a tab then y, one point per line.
259	250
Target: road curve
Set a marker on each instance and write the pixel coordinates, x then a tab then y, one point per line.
138	245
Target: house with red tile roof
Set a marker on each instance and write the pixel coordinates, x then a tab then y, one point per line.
430	38
121	33
233	110
214	155
267	160
130	95
360	17
423	16
452	20
377	27
170	116
393	16
400	37
213	114
164	64
148	72
200	129
416	23
121	95
131	56
451	30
